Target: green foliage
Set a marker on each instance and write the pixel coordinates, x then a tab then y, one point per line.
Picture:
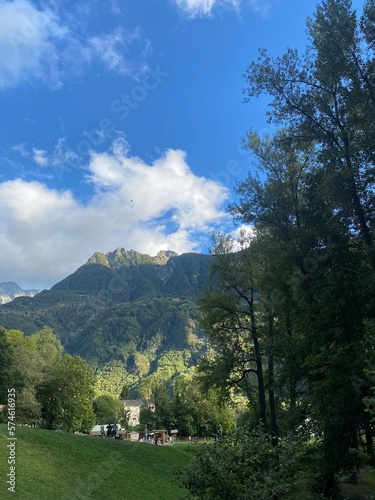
124	307
5	365
29	410
124	394
131	330
200	412
28	369
139	365
181	402
107	409
147	417
235	321
48	345
52	389
311	204
163	416
66	398
244	466
111	379
169	365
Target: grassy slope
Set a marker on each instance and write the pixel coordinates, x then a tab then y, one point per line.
51	465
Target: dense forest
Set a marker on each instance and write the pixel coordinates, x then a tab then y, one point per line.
56	390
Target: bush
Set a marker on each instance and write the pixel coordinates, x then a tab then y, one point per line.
245	466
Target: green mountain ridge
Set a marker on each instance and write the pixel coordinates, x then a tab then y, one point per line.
122	307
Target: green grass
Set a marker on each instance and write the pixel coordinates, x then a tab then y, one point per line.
59	466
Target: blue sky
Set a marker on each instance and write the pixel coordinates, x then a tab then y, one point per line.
121	123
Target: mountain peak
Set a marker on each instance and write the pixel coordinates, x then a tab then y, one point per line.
126	258
10	290
163	256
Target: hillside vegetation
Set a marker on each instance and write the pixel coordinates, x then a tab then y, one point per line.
121	307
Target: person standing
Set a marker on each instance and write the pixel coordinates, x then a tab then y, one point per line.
102	433
114	430
109	430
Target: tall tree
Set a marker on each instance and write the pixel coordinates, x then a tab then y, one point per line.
67	397
27	363
320	280
27	370
321	216
5	365
327	96
229	317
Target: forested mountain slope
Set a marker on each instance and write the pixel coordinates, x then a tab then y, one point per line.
119	305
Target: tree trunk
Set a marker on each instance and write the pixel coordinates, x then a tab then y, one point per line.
369	445
271	392
329	465
328	485
359	210
259	364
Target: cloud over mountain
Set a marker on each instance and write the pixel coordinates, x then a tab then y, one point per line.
46	233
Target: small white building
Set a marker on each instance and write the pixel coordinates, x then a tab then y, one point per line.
132	411
174	434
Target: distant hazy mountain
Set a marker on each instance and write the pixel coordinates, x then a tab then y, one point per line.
10	290
120	305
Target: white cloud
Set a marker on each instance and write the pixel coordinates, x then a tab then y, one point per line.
47	234
111	49
194	8
27	37
40	157
21	149
61	159
200	8
115	7
261	6
242	236
108	47
63	155
38	45
166	185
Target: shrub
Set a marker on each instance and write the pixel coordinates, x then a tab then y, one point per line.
246	465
